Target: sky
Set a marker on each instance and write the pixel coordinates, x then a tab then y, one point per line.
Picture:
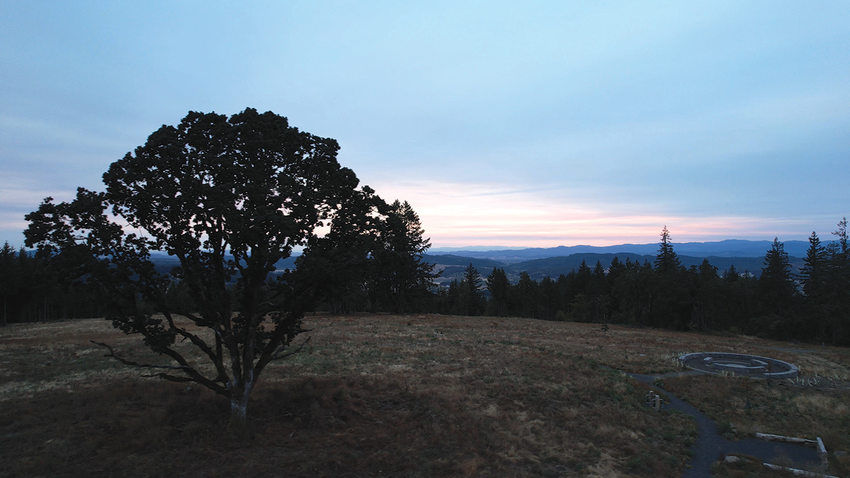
526	124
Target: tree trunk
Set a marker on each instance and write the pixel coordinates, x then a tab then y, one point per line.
238	412
239	409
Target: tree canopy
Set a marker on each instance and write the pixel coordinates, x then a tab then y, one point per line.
229	197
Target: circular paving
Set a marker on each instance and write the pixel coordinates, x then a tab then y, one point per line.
739	364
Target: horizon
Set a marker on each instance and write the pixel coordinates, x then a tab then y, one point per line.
674	243
499	248
502	123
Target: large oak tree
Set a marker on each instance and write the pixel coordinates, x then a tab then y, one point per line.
229	198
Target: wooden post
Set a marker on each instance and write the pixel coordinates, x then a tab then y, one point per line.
769	436
824	456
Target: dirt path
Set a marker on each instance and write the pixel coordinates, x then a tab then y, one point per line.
711	446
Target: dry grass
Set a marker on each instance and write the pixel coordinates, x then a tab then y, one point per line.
743	407
375	395
749	467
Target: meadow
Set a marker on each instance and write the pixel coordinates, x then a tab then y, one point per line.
416	395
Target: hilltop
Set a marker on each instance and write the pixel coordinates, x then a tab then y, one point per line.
417	395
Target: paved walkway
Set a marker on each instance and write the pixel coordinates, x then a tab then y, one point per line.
711	447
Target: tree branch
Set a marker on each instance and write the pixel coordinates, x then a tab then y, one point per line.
278	354
131	363
274	347
201	344
193	375
196	376
170	378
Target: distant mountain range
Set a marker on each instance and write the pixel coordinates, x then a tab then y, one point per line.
727	248
746	256
452	266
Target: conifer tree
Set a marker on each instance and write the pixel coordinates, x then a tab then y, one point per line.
470	289
499	288
8	280
776	287
547	294
670	302
813	270
526	297
841	234
666	261
838	285
401	275
731	274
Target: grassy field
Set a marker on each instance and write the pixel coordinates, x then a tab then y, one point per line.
384	395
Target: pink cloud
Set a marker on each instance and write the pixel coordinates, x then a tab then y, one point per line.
466	214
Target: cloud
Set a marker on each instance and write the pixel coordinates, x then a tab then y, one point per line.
18	197
458	214
19	192
93	137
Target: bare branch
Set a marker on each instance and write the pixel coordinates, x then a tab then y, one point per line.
131	363
201	344
171	378
273	346
196	376
279	353
192	374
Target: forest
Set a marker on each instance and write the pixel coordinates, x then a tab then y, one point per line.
811	306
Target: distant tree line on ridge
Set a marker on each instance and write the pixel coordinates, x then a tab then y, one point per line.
33	288
366	262
813	306
391	277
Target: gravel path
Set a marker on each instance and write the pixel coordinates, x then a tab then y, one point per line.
711	447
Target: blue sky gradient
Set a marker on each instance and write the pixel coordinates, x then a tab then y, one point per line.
503	123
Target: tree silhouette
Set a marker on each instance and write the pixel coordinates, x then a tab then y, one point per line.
470	291
666	261
814	268
8	282
400	276
670	305
837	293
776	286
340	262
499	288
229	198
526	299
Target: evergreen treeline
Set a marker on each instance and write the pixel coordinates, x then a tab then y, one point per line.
367	264
813	306
392	278
34	288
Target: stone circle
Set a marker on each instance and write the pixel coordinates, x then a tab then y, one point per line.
743	365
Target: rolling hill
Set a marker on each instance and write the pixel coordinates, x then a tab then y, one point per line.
746	256
452	266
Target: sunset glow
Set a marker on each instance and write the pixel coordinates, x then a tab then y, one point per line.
561	123
460	215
